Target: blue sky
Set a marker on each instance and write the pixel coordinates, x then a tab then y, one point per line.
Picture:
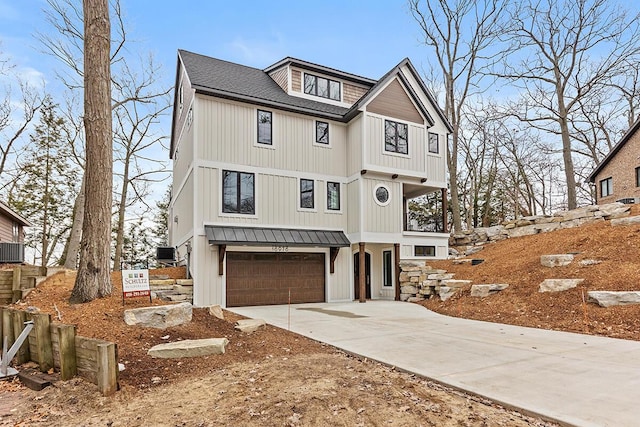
362	37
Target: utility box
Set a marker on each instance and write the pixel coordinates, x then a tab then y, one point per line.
11	252
166	254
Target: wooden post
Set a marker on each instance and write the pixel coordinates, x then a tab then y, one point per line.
17	291
23	355
362	274
222	249
445	228
107	369
7	328
396	261
67	343
42	323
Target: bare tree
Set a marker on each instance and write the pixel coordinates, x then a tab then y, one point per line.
463	36
93	278
560	52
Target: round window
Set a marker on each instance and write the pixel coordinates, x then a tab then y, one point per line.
382	195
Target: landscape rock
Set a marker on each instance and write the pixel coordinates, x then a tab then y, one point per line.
160	317
216	311
557	285
630	220
453	283
184	282
587	262
250	325
440	276
161	282
556	260
446	292
417	298
488	289
189	348
408	289
611	298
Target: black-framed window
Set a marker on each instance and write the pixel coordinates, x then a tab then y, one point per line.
238	192
264	127
307	197
387	268
396	137
424	251
322	87
606	187
322	132
333	196
434	146
638	177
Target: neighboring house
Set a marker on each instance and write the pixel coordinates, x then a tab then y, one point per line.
292	183
617	177
11	235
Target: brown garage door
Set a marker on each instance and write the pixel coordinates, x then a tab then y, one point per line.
256	278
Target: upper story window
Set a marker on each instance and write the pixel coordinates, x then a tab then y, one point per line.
322	87
238	192
382	195
307	197
638	177
322	132
189	117
606	187
264	127
333	196
396	137
434	146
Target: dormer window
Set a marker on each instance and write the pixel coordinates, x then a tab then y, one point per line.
322	87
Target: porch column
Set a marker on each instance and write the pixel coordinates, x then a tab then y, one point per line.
396	257
444	211
361	275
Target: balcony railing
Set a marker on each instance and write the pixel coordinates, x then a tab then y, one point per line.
432	224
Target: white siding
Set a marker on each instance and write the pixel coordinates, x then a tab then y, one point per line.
208	285
354	146
183	156
227	133
340	281
183	210
382	219
376	156
353	206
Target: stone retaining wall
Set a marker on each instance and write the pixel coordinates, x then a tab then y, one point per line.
472	241
419	281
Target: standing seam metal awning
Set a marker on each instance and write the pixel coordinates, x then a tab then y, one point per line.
249	236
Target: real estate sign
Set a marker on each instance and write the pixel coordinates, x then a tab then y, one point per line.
135	283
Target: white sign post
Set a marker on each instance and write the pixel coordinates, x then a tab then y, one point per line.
135	283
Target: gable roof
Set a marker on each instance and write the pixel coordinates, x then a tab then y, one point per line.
10	213
632	130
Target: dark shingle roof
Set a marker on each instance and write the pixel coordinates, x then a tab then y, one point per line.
239	82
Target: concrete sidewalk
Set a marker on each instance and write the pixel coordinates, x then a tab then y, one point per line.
575	379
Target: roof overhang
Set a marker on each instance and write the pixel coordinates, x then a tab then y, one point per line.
253	236
628	134
7	211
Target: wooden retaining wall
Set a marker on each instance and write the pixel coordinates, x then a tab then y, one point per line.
56	345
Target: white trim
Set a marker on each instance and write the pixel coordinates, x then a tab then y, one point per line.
375	195
315	195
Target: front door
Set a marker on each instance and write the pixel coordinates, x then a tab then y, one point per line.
367	274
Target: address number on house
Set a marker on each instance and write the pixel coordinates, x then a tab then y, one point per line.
278	248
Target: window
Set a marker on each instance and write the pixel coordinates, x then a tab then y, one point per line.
322	132
322	87
264	127
333	196
16	232
238	192
606	187
189	117
387	268
638	177
424	251
307	197
396	137
382	195
433	143
180	96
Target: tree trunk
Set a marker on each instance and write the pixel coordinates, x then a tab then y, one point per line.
93	278
452	160
120	224
73	244
572	200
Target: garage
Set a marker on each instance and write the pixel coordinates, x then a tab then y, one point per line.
262	278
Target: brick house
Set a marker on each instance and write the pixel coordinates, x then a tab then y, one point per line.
617	177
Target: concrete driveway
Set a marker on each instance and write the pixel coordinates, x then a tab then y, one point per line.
574	379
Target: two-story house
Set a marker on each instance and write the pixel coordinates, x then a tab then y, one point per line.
617	176
292	183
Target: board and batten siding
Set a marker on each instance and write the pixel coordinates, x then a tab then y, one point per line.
340	281
277	200
205	273
354	146
183	210
183	155
227	133
382	219
353	206
411	164
180	113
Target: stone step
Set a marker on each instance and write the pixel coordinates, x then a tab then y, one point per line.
183	289
189	348
158	277
184	282
162	282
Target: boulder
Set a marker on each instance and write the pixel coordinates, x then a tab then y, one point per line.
184	282
556	260
488	289
446	292
160	317
408	289
630	220
452	283
557	285
611	298
407	264
587	262
405	297
417	298
162	282
189	348
527	230
440	276
250	325
216	311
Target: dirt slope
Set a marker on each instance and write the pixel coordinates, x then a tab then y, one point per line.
517	262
